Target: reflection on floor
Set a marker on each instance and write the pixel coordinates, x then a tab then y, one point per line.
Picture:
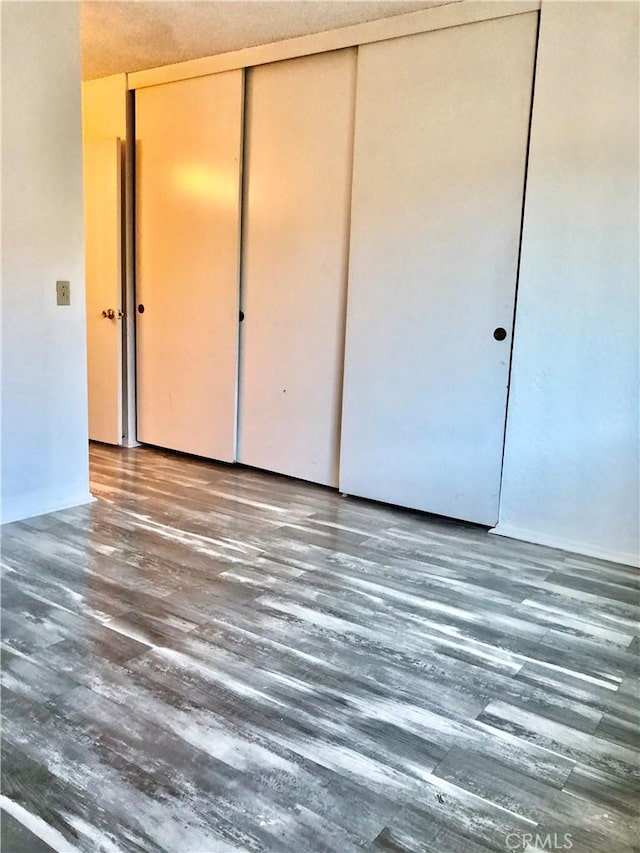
210	659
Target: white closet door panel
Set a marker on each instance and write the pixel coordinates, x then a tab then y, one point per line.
299	148
441	133
188	153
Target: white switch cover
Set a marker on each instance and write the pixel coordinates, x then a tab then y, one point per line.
63	293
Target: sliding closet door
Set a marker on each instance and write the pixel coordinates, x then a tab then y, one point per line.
188	156
442	122
299	148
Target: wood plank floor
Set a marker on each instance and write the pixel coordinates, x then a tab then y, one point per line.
214	659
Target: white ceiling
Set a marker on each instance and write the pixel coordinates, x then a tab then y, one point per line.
129	35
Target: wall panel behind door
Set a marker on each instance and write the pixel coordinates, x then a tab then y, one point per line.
442	123
188	156
299	146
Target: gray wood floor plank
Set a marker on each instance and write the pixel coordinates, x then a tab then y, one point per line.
16	838
532	799
212	658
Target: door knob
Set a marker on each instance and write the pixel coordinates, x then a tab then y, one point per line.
141	308
109	314
499	334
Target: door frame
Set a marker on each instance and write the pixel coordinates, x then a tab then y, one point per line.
128	214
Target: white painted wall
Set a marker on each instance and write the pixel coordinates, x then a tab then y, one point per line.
571	462
44	397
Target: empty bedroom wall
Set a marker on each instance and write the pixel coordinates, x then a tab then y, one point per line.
571	463
44	396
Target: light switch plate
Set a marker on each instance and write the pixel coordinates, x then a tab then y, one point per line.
63	293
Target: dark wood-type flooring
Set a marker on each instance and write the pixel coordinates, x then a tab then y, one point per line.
213	659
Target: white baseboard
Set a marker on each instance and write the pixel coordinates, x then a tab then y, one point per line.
537	538
33	512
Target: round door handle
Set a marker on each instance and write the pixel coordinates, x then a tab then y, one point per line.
109	314
141	308
241	316
499	334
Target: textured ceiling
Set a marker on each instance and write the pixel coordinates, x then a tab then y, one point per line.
129	35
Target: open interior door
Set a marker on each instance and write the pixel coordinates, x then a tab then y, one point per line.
103	242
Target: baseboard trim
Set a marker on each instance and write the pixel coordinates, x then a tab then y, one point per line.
583	548
57	506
